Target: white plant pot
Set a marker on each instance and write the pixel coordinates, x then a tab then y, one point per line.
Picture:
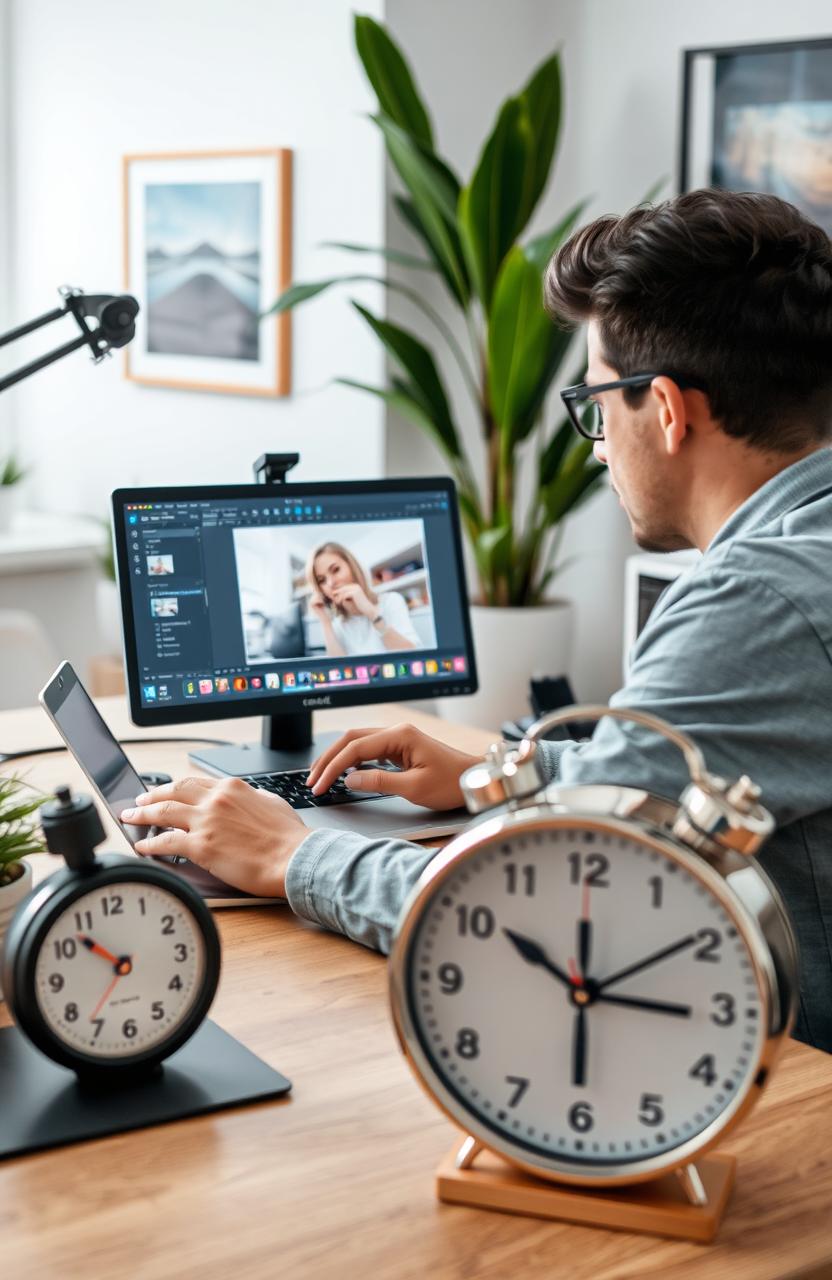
10	896
9	504
512	645
108	611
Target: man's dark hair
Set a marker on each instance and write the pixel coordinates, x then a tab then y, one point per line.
731	288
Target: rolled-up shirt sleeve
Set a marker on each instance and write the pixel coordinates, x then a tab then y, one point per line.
353	885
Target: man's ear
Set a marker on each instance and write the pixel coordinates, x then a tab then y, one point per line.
673	415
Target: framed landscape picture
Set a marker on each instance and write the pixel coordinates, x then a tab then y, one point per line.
207	246
759	118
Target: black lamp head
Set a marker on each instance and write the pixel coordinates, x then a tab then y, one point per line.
116	317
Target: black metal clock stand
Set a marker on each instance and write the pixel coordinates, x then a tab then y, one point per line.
47	1105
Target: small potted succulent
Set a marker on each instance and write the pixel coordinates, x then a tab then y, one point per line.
19	836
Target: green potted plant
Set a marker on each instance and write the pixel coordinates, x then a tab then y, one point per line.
11	474
19	836
506	346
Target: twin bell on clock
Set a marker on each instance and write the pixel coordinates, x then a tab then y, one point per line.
593	983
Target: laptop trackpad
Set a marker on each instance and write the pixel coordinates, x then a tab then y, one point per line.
389	816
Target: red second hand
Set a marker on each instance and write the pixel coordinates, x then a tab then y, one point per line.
104	997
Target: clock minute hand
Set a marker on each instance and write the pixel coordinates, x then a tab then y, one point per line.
652	1006
534	954
656	956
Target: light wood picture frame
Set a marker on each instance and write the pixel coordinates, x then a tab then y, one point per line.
207	250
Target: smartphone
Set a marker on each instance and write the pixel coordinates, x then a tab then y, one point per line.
78	721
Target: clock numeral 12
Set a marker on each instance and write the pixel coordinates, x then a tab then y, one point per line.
597	866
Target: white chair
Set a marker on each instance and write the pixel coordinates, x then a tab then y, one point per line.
27	658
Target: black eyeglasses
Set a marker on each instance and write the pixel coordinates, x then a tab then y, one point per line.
587	415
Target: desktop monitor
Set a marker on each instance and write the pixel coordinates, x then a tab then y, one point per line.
272	600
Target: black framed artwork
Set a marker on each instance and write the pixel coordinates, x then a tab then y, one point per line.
759	118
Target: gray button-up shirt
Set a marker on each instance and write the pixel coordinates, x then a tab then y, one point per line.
738	653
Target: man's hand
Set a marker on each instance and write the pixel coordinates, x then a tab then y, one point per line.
244	836
430	771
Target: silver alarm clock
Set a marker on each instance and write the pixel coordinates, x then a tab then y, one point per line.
591	981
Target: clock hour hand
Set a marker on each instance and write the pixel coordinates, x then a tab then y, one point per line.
534	954
121	964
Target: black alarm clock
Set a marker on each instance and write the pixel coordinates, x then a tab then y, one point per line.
112	963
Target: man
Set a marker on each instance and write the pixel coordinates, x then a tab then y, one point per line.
717	307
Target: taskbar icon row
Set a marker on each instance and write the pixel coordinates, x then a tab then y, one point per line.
298	681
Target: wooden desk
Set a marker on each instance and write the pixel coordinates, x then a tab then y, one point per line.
338	1179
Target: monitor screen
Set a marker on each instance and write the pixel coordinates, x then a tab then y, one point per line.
252	599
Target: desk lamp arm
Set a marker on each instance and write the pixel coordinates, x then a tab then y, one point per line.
116	317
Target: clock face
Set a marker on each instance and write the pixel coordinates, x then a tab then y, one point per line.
120	969
584	998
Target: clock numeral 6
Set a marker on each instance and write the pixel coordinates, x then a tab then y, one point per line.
129	1029
468	1042
650	1110
450	978
580	1117
479	921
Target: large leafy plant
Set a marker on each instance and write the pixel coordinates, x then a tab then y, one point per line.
471	235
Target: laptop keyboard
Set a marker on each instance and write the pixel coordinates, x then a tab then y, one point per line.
292	788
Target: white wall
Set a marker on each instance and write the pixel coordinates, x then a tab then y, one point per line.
91	83
5	205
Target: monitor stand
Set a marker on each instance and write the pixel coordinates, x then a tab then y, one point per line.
286	743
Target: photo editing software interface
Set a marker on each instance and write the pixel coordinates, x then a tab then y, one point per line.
264	596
